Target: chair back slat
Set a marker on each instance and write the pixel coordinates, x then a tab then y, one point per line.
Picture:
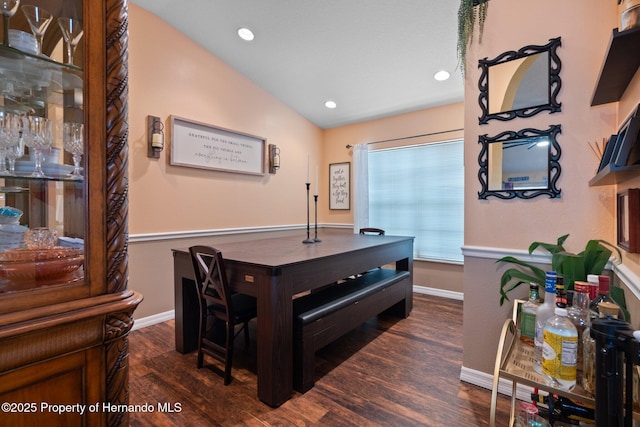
211	276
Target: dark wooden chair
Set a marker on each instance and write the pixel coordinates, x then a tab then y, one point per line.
218	303
371	230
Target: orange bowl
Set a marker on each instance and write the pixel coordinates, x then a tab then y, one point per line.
26	254
34	270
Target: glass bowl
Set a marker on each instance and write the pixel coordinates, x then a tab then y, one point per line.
23	271
23	264
40	238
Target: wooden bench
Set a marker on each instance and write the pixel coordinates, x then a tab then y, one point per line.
324	316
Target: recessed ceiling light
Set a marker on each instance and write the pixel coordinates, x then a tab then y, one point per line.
330	104
245	34
441	75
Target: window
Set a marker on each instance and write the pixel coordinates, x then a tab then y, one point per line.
419	191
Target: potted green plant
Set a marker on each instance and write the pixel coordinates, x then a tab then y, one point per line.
592	260
470	13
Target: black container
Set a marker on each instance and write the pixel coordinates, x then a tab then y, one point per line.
609	371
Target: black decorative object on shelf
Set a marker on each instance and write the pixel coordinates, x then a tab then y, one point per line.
621	157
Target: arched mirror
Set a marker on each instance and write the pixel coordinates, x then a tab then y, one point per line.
520	84
521	164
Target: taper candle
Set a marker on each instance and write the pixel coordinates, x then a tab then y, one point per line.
316	193
308	160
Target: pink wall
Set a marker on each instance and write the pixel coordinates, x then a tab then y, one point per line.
172	75
582	211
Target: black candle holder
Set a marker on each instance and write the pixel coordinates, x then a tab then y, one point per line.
308	239
315	199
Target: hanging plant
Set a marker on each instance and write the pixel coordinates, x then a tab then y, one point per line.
470	13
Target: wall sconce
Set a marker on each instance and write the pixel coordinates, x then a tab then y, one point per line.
274	158
155	143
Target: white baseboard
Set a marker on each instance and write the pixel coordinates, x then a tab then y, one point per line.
153	319
171	314
438	292
484	380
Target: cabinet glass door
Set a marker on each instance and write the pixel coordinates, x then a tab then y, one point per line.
42	147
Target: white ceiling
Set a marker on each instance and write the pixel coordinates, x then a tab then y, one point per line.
374	58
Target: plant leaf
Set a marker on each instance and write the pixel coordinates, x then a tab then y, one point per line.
617	295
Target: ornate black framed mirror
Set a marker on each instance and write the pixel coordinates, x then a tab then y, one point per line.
520	84
522	164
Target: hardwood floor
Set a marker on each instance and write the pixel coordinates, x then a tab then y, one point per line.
388	372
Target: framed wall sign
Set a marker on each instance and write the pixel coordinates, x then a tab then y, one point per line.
204	146
340	185
629	220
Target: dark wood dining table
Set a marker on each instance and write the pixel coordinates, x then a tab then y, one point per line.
275	270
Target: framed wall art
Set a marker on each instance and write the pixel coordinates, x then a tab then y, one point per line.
199	145
340	186
628	222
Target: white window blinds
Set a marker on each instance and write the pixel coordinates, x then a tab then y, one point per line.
419	191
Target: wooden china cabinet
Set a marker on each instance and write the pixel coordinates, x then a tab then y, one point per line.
63	331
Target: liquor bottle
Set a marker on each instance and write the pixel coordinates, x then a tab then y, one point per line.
579	315
545	311
604	286
561	294
606	309
594	284
528	315
559	361
564	409
609	309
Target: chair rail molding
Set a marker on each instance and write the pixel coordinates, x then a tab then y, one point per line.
623	273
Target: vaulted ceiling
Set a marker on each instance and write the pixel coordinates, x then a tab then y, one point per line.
373	58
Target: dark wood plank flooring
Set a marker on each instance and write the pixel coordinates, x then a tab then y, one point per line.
388	372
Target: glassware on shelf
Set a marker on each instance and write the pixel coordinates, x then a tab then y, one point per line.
13	153
40	238
73	142
9	135
72	33
38	136
8	8
39	20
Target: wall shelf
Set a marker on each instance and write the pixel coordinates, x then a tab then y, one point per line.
611	175
620	65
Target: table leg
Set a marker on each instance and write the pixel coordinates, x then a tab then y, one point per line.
275	341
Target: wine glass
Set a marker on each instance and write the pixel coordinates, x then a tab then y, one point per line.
38	19
72	33
39	136
16	149
73	142
14	152
8	8
9	132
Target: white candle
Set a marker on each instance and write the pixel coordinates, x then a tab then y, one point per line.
316	180
308	178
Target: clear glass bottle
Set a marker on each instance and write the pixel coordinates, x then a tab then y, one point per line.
604	286
528	315
579	315
545	311
589	349
560	353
